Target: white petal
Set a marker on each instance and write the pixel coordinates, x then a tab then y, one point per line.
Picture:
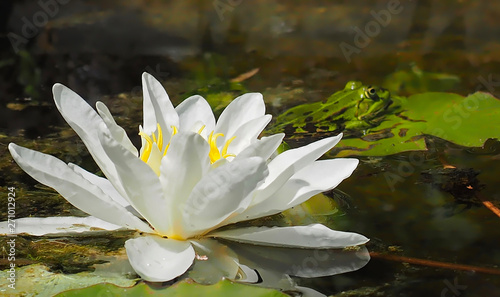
214	261
199	128
55	225
287	163
308	292
181	169
247	134
270	278
263	147
102	183
302	262
219	162
247	274
141	184
117	132
222	192
158	259
108	189
318	177
154	160
312	236
73	187
157	107
86	123
241	110
195	109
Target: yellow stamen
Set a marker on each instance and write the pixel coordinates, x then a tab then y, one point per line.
160	137
174	131
214	153
201	129
157	139
147	149
154	138
224	149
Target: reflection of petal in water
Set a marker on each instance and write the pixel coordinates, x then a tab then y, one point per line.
213	262
277	280
308	292
247	274
302	262
273	279
116	265
270	267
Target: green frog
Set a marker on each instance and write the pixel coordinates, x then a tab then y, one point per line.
356	107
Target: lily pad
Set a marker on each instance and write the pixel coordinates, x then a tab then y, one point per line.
466	121
411	79
183	288
37	280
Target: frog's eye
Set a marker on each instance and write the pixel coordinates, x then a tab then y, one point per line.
371	93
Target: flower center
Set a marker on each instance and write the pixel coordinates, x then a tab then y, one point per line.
153	149
154	142
214	153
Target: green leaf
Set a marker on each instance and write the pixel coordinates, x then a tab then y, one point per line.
38	280
411	79
467	121
183	288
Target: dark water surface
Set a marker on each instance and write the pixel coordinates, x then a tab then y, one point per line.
304	51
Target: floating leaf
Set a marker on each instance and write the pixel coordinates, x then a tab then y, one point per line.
37	280
412	79
183	288
467	121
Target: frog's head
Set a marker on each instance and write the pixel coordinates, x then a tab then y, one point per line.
376	94
372	100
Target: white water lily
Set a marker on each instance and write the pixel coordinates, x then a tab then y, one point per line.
191	177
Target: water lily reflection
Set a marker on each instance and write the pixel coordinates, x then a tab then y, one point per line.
191	177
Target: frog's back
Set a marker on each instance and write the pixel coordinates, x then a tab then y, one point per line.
303	112
333	108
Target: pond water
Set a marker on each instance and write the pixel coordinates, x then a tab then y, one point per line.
431	234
